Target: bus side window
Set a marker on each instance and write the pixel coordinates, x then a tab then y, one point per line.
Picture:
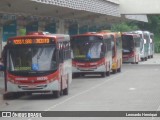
60	52
104	46
66	51
118	43
109	46
112	45
137	42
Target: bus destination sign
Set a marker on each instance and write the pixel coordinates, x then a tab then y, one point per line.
31	41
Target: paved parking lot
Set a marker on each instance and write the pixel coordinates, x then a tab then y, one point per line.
136	88
154	60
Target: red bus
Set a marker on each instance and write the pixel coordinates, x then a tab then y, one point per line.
92	54
37	62
116	52
131	47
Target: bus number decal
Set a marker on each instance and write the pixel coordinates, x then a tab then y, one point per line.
42	78
22	68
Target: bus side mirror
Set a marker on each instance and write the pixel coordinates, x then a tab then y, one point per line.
1	63
71	52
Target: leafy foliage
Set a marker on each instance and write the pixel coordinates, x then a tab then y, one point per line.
124	27
153	26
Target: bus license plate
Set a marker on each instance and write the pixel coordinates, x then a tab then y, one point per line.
31	86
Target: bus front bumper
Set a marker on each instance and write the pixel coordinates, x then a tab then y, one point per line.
52	86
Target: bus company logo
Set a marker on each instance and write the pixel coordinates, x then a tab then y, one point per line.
32	81
20	114
6	114
42	78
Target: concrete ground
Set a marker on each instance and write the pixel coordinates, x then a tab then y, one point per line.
154	60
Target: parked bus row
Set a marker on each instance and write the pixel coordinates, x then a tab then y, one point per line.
137	46
44	62
96	53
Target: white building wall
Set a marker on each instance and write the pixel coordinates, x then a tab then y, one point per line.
113	1
137	17
107	7
139	6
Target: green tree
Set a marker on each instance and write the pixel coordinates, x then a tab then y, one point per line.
22	31
152	25
124	27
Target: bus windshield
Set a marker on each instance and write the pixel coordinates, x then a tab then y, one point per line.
32	58
87	47
127	43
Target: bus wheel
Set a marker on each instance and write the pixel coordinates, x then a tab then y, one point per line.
108	73
142	59
145	58
65	91
119	69
56	94
103	74
114	71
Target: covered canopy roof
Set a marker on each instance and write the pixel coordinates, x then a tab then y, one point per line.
79	10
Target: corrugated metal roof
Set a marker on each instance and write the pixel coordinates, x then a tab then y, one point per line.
96	6
114	1
81	10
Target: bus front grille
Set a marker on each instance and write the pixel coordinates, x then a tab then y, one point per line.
30	87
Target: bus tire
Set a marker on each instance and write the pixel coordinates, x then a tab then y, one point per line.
142	59
65	91
114	71
119	69
108	73
145	58
103	74
56	94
